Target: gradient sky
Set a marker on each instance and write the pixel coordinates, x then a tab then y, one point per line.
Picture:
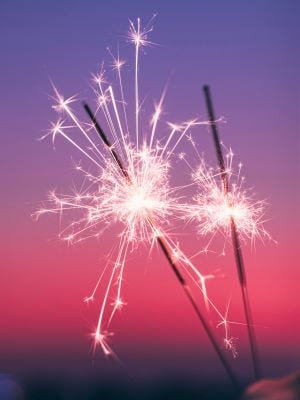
248	53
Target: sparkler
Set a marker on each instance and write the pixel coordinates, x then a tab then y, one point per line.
234	217
134	194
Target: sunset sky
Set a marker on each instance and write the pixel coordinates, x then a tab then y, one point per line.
248	53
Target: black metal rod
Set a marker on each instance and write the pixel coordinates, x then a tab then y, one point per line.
199	314
165	249
234	235
105	140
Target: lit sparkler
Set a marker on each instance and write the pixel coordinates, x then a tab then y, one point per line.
234	228
230	208
130	188
223	205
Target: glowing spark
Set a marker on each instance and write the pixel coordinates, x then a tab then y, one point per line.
138	35
229	342
230	345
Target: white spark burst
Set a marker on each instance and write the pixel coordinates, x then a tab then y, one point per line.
214	208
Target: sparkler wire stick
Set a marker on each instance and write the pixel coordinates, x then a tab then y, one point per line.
105	139
234	235
165	249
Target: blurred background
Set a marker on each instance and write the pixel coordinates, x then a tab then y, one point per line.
248	52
